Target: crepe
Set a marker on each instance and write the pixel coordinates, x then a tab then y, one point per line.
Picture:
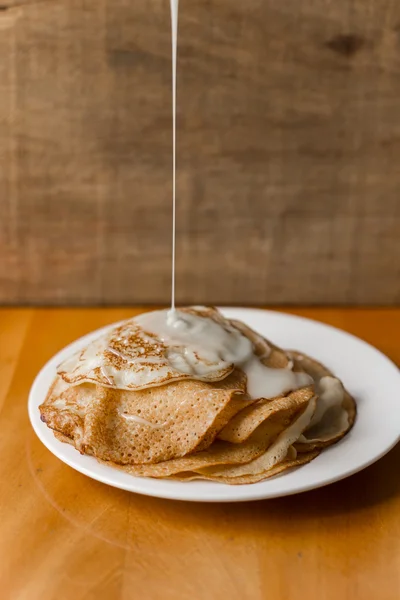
227	454
275	453
147	425
240	427
129	357
290	462
335	414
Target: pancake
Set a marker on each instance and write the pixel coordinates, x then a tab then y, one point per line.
286	464
130	357
275	453
149	425
336	409
225	453
240	427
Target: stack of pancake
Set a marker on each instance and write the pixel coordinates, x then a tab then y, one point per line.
126	400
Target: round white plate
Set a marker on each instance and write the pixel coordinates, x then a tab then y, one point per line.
371	378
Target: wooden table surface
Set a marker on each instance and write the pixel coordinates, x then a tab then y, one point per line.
64	536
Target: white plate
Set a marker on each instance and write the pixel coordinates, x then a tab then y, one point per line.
370	377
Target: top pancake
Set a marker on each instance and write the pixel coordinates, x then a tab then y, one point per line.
130	358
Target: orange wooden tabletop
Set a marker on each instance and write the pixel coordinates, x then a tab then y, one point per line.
64	536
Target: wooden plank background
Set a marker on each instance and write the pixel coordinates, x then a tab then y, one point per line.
288	151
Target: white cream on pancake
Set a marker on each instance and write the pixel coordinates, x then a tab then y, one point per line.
161	346
331	393
274	454
330	417
130	357
200	345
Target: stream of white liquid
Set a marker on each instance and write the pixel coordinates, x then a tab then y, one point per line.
174	38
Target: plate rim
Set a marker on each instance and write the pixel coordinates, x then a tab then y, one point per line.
244	493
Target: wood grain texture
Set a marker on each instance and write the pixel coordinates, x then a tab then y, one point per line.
288	145
65	536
